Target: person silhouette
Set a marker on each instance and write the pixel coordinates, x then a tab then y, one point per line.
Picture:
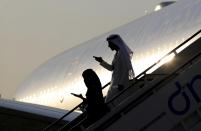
96	106
121	67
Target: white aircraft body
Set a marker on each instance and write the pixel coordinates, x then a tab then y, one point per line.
150	38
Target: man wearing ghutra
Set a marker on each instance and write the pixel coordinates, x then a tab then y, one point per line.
121	65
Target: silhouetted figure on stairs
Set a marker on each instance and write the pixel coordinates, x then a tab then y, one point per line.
94	100
121	66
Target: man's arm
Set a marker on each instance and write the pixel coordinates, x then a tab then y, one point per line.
103	63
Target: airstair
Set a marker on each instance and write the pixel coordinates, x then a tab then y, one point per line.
164	97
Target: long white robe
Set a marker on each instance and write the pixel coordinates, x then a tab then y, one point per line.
121	67
120	74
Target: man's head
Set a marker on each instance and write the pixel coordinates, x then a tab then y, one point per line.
111	42
112	37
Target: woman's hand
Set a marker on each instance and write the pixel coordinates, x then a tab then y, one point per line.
78	95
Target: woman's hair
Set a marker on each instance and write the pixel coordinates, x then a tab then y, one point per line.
91	78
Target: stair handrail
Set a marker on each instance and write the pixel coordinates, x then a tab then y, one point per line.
174	50
136	78
144	73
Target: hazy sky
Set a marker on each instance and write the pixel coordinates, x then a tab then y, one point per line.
33	31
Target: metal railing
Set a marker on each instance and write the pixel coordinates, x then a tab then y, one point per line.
148	93
144	73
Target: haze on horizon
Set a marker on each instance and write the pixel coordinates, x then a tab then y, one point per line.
33	31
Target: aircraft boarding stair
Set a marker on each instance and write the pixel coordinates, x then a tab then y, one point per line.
166	99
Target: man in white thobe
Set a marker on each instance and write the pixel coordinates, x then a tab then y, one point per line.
121	66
